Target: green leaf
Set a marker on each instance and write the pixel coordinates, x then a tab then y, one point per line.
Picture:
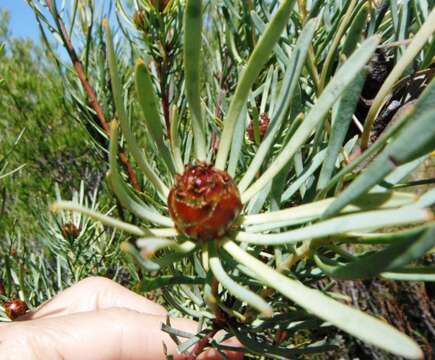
341	225
157	282
263	347
240	292
383	238
386	135
192	71
134	148
105	219
426	273
256	61
127	199
291	78
345	75
355	31
416	249
342	117
238	140
135	255
302	179
260	25
415	139
150	245
398	254
344	21
313	210
316	8
353	321
150	107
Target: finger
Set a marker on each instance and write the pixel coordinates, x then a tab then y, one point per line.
213	354
110	334
94	293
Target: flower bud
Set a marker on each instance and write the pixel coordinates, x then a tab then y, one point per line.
204	202
15	308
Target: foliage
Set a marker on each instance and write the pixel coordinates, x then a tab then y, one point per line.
52	148
317	206
64	250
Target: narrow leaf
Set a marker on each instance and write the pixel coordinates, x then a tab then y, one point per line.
126	130
256	61
342	118
192	71
345	75
340	225
240	292
291	78
150	108
396	255
127	199
354	322
414	140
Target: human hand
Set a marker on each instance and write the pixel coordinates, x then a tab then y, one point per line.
96	319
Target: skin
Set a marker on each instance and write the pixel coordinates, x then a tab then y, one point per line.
96	319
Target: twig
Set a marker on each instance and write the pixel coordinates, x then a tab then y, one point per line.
90	91
200	345
165	99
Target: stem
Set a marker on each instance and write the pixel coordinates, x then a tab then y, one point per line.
78	66
161	72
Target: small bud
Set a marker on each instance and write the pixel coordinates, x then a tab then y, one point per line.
69	230
15	308
13	252
204	202
262	127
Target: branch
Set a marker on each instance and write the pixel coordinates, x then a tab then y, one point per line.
78	66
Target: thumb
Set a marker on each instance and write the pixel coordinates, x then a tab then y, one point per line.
109	334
